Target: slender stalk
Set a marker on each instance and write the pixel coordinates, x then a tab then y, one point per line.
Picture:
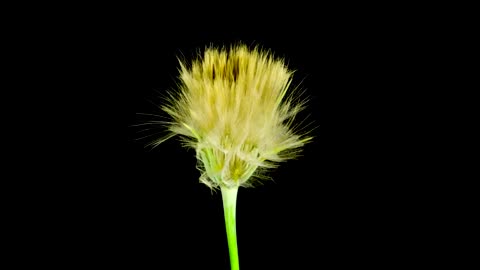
229	196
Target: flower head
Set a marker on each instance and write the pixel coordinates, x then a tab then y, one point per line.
235	108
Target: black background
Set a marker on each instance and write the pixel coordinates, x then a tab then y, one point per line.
351	199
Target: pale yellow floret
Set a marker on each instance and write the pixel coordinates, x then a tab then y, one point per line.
233	108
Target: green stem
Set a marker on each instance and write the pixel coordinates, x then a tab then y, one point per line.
229	196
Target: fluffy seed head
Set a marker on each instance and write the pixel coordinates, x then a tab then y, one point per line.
235	108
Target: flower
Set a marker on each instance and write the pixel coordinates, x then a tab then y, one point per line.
236	108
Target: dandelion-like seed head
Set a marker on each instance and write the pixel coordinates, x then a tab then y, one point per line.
236	107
